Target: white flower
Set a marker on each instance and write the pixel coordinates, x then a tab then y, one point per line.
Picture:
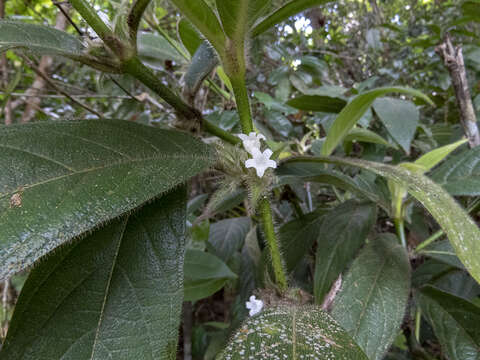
261	162
254	305
251	142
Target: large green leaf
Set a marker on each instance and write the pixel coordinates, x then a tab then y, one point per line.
292	8
204	19
226	236
400	117
460	174
372	302
351	113
45	40
117	294
325	104
189	36
455	321
343	231
292	333
61	179
205	274
461	230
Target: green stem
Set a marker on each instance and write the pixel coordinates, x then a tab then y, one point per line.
418	320
400	228
243	103
135	17
222	134
273	244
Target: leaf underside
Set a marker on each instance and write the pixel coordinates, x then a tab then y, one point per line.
62	179
116	294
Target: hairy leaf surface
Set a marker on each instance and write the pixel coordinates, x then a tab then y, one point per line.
116	294
294	334
61	179
373	298
226	236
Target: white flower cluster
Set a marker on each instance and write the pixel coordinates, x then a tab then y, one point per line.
254	306
260	160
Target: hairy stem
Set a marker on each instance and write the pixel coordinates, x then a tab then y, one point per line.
135	17
272	243
243	103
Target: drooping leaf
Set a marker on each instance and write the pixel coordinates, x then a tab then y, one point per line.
227	236
204	19
292	333
115	294
343	231
62	179
401	119
455	321
365	135
373	299
461	230
154	50
292	8
460	174
189	36
205	274
237	16
44	40
325	104
351	113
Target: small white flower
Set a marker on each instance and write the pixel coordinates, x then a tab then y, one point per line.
254	305
261	162
251	142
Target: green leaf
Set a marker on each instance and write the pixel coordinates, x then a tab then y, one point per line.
203	63
343	232
351	113
325	104
189	36
455	321
372	302
294	334
227	236
460	174
365	135
154	50
62	179
461	230
434	157
117	294
292	8
204	19
238	15
45	40
298	236
401	119
205	274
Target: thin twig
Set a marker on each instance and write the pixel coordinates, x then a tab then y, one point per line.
61	91
60	7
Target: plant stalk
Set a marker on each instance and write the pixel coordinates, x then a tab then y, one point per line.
135	17
243	103
400	228
272	243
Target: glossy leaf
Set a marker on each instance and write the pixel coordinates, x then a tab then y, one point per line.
325	104
226	236
204	19
455	321
290	9
343	232
460	174
292	333
401	119
373	299
62	179
116	294
45	40
205	274
351	113
461	230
